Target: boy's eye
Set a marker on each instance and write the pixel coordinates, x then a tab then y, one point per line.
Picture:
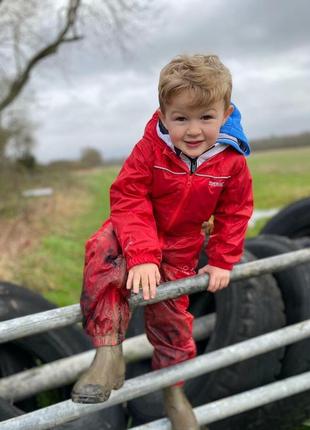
206	117
180	118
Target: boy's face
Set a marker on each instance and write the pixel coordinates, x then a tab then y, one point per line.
193	129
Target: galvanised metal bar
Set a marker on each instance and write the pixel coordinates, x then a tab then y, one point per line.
39	322
198	283
243	402
66	370
43	321
60	413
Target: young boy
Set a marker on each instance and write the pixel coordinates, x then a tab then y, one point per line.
188	166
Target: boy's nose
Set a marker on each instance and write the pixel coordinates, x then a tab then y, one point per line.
193	129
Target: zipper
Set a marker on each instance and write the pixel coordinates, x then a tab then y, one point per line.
193	164
188	186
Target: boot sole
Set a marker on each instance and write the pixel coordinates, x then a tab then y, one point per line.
81	398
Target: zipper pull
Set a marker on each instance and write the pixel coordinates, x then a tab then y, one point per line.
193	164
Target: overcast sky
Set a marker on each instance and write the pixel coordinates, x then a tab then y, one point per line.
90	96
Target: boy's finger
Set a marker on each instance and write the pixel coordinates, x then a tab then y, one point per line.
145	286
152	283
218	284
129	281
211	283
158	277
224	283
146	292
214	284
136	283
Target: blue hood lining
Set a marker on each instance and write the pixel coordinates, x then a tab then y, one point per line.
233	127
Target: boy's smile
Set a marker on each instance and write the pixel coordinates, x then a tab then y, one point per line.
193	130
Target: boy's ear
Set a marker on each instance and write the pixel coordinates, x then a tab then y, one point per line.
161	116
227	113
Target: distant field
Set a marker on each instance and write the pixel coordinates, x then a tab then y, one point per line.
281	176
51	259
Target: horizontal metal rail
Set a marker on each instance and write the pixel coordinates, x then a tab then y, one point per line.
66	411
39	322
66	370
239	403
43	321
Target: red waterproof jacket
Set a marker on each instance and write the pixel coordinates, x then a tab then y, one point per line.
158	206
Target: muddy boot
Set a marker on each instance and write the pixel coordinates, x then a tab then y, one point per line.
179	410
106	373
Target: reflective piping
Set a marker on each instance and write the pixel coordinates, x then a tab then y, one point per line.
171	171
214	177
227	136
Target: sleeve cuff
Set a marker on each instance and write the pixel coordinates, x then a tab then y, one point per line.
142	259
220	264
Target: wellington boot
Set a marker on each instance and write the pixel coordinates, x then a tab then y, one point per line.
106	373
179	410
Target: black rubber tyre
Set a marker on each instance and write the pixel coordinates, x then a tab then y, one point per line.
292	221
244	309
294	286
302	242
28	352
8	411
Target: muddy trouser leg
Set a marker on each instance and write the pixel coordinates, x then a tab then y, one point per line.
105	309
169	325
169	329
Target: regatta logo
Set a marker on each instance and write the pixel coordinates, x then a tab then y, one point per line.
216	184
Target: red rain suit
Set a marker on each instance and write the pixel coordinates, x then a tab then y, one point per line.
157	209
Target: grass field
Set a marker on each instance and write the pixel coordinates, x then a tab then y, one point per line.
280	177
42	240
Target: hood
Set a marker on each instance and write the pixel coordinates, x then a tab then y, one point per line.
231	133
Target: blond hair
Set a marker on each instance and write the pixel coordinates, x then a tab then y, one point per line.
204	76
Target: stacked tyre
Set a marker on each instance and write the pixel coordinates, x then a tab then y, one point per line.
25	353
288	231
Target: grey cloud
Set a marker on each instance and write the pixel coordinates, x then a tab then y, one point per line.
245	29
99	98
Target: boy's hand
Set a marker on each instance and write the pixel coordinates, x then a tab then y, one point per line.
218	278
145	276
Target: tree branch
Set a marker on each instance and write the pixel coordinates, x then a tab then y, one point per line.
20	81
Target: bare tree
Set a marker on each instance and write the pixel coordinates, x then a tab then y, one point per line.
67	33
91	157
32	30
17	137
21	138
24	27
5	135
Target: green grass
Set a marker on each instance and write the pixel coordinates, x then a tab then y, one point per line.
14	180
55	267
280	177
